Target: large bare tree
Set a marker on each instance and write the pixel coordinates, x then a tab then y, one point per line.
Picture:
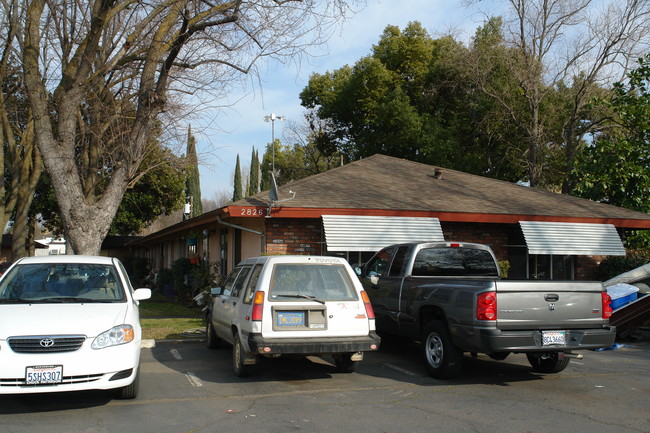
580	46
20	160
101	74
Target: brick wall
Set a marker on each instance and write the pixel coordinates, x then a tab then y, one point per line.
586	266
293	236
494	235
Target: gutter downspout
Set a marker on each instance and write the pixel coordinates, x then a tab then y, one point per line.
220	221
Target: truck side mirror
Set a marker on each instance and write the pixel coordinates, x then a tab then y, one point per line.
216	291
358	271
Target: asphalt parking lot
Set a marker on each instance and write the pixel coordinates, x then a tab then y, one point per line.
187	388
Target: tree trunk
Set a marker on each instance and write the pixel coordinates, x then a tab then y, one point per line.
19	247
30	171
23	224
86	224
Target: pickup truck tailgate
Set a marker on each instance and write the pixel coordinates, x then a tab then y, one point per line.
549	305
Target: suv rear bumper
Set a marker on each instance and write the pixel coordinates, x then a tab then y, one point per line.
495	340
312	346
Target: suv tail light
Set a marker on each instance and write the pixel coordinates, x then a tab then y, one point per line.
486	306
258	306
366	303
606	307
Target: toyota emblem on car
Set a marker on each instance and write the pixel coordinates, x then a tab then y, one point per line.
47	342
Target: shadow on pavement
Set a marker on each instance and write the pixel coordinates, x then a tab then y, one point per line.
54	401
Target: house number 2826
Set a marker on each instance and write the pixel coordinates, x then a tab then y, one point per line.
251	211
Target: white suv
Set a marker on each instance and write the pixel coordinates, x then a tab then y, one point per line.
292	305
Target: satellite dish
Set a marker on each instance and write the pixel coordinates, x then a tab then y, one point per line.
273	195
273	192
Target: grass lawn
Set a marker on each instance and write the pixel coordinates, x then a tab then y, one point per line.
164	319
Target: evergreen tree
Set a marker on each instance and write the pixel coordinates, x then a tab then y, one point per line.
193	183
237	193
254	176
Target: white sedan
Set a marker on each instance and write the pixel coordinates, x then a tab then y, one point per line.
69	323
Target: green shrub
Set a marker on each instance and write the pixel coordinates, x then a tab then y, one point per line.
137	268
165	281
181	270
504	267
204	277
616	265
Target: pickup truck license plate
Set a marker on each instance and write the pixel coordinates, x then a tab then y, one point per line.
44	374
551	338
290	318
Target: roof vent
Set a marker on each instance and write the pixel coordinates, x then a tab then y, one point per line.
437	173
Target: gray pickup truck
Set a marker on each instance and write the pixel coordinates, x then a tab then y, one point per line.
451	298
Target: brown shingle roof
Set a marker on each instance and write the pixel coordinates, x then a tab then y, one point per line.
391	185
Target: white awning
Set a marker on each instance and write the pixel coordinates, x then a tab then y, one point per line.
372	233
577	239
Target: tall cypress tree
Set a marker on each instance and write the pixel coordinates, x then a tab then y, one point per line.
193	182
254	175
265	170
237	193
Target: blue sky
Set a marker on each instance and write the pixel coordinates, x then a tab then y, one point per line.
235	130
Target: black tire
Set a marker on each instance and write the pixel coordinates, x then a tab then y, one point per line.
239	368
211	339
130	392
442	359
344	363
547	362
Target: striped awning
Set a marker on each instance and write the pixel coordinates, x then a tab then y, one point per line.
372	233
578	239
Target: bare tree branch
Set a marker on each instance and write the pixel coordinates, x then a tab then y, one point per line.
100	73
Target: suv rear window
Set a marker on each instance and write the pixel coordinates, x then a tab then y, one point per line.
292	281
436	262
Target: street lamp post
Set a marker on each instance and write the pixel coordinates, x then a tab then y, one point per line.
272	118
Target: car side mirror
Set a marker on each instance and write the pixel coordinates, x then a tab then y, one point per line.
358	271
216	291
141	294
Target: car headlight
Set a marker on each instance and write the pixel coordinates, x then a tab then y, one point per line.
117	335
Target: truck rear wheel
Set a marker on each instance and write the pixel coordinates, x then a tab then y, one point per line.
548	362
442	359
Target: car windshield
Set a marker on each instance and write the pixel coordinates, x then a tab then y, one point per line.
300	281
61	282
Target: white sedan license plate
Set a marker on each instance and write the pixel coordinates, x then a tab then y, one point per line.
552	338
44	374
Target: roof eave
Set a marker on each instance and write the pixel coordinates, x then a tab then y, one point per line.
313	212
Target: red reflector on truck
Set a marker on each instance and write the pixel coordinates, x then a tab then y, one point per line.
486	306
606	308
